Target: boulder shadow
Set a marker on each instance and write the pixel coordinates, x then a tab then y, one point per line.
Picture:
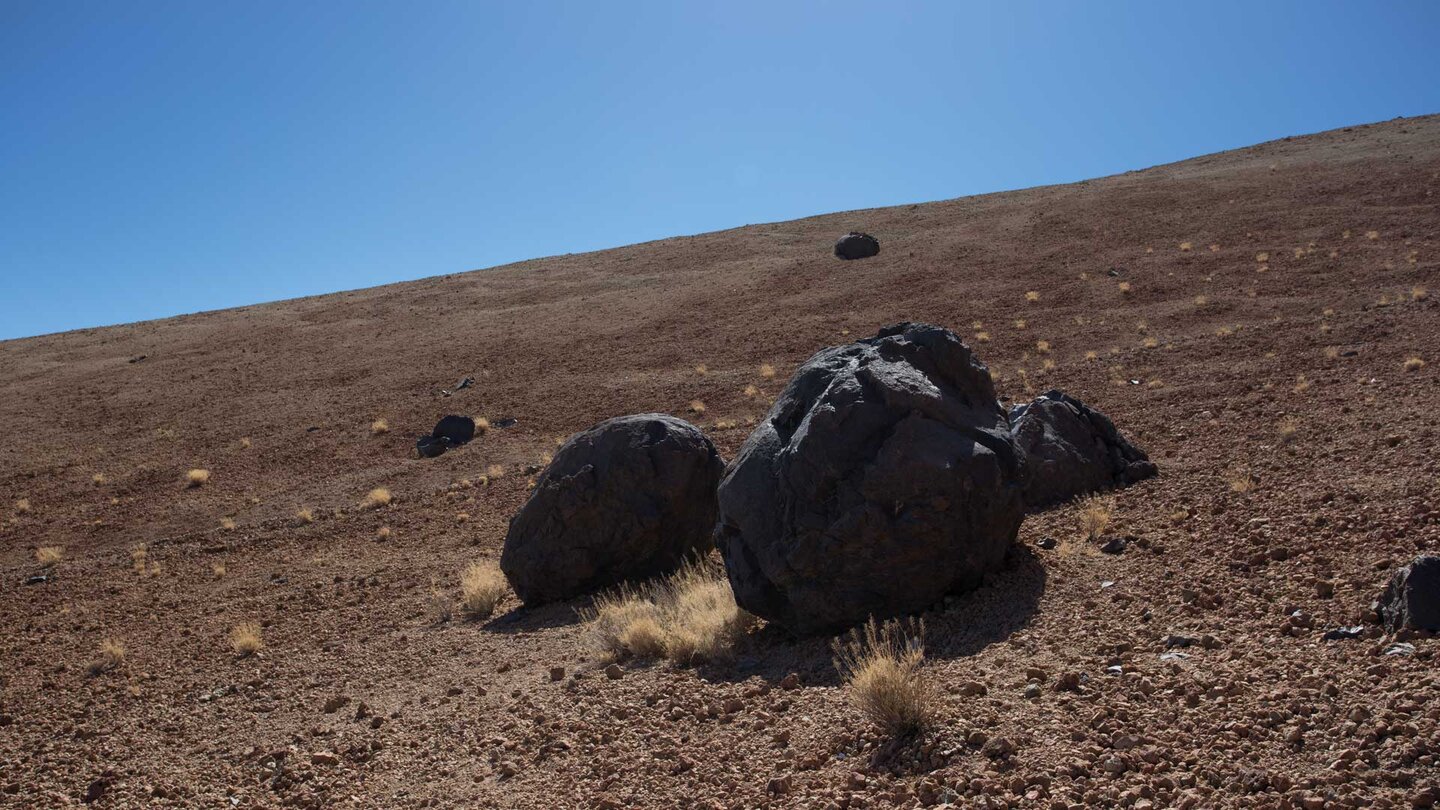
524	619
960	626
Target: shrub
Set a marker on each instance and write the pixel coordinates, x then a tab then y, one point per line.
22	506
482	586
767	371
1414	364
197	478
49	555
112	655
376	498
245	639
687	617
884	668
1095	514
1032	296
305	515
379	426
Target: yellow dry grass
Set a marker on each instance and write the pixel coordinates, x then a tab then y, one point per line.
767	371
884	667
376	498
197	478
245	639
1414	364
379	426
687	618
482	586
49	555
697	407
1032	296
1096	513
112	656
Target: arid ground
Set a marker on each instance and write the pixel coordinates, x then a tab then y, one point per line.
1256	320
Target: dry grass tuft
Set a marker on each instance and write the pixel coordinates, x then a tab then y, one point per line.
1124	288
482	586
112	656
440	608
982	337
305	515
49	555
1096	512
376	498
227	524
884	668
1042	346
482	426
1241	481
702	369
245	443
379	426
1091	356
1262	257
1019	323
197	478
22	506
1372	235
98	478
217	570
1032	296
687	617
139	559
245	639
697	407
1201	300
1418	293
1186	247
1332	352
1301	384
1288	429
751	391
1151	343
383	533
767	371
1414	364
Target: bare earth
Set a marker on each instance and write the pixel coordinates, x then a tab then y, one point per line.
1242	528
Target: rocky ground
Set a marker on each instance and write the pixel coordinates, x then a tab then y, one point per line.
1257	350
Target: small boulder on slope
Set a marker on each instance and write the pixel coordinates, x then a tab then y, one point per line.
628	499
856	245
1072	449
1411	601
883	478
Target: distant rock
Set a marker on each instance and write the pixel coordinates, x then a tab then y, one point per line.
856	245
627	499
1072	449
1412	599
883	478
450	431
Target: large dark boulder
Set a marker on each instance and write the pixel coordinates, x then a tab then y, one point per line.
883	478
856	245
1412	599
627	499
1072	449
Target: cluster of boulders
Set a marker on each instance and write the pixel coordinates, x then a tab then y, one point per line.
886	476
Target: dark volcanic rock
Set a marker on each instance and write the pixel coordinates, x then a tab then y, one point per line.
883	478
455	429
430	446
1072	449
627	499
1412	599
856	245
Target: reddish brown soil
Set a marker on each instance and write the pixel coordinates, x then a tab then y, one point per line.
1266	715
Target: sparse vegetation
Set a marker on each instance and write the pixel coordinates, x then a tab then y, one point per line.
197	478
697	407
1372	235
245	443
48	556
495	471
440	608
1419	293
1414	364
217	569
1096	512
1124	288
687	617
1042	346
883	665
379	426
767	371
702	369
482	586
376	498
1091	356
1019	323
227	523
112	656
1241	481
1301	384
246	640
1332	352
1288	429
22	506
982	337
305	515
139	559
98	478
1032	296
1185	247
383	533
751	391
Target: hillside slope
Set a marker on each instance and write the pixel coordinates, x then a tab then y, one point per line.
1278	285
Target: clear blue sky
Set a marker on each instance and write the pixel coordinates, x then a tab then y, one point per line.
165	157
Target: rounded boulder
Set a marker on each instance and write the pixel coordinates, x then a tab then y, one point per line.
627	499
883	479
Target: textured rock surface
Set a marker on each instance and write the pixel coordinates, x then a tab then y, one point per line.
1412	599
883	478
856	245
1072	449
627	499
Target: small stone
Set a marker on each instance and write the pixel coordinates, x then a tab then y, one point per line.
614	672
336	703
972	689
507	769
780	785
790	682
327	760
557	673
1324	588
1032	691
1047	543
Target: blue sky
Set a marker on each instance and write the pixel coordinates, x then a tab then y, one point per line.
165	157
